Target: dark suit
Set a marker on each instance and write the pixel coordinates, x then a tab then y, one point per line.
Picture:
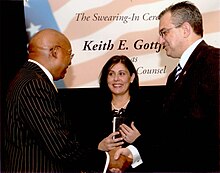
37	138
191	114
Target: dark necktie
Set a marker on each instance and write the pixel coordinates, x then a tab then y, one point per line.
178	71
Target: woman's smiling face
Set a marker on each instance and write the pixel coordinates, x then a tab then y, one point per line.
119	79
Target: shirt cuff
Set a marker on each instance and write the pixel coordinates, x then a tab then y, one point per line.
136	156
107	162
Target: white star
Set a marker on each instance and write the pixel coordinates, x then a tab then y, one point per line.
33	29
26	3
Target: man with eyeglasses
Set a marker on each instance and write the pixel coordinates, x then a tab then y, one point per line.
190	119
37	136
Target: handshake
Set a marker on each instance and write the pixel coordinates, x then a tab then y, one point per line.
121	164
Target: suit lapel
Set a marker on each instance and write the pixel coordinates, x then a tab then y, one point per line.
189	65
194	57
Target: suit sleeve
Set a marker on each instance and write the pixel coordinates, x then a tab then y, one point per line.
45	118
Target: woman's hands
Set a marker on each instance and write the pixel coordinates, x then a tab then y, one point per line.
121	158
110	143
130	134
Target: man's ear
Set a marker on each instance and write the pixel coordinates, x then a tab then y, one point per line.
187	29
54	51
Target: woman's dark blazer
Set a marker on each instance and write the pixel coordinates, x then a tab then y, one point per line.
140	111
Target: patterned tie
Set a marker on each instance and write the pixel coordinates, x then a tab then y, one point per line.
178	71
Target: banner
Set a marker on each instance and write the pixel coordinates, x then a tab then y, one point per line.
101	29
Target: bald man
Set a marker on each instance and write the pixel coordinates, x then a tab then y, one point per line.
37	138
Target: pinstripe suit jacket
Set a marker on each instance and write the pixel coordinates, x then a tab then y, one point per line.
37	139
191	113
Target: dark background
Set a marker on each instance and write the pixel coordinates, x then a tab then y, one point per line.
13	54
13	50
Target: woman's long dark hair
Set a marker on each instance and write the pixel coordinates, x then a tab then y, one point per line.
134	86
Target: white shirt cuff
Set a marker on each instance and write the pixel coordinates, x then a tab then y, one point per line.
107	162
136	156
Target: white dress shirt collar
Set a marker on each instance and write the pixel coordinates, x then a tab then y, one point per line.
186	54
49	75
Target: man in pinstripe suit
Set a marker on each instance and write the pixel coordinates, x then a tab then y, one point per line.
37	139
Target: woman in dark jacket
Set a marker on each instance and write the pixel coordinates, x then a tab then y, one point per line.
122	104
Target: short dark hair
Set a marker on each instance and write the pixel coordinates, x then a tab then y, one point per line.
185	12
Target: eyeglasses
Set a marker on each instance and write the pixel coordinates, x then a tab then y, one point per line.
163	32
68	52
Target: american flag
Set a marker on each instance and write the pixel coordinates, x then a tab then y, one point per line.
131	26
